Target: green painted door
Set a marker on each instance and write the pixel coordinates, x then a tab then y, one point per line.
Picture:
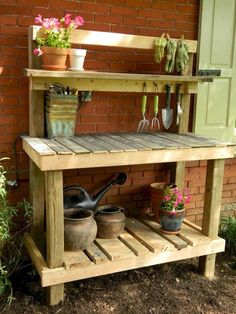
215	107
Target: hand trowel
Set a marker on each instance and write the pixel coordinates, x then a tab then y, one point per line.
167	113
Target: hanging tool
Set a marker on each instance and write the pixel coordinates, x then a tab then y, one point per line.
155	120
144	123
167	113
178	98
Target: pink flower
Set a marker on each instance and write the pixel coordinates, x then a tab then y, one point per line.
79	21
38	19
167	198
38	52
46	23
67	19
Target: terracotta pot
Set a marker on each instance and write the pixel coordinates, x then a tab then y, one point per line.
54	58
157	194
171	221
80	229
110	221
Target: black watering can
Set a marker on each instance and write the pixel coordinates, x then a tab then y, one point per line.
84	200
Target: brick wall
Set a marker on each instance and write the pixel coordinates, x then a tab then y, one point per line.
106	112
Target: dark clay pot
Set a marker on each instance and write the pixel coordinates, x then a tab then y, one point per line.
110	221
171	222
80	229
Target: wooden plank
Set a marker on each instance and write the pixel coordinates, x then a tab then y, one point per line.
37	200
102	143
96	255
93	146
36	112
188	141
55	220
212	207
128	140
57	147
192	225
61	275
114	249
74	147
192	236
140	142
78	258
64	162
149	140
168	141
133	244
39	146
124	143
88	37
122	146
174	239
35	254
208	140
154	242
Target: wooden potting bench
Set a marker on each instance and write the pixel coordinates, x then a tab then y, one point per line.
141	244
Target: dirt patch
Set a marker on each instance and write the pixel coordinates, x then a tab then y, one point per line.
169	288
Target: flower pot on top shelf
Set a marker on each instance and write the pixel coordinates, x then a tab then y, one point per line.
53	40
77	57
172	209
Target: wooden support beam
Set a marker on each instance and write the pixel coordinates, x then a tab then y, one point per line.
55	229
211	214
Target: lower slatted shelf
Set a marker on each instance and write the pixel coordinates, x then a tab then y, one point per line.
141	244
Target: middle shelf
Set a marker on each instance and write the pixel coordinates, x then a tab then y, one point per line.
111	149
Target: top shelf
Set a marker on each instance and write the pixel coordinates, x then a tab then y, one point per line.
114	82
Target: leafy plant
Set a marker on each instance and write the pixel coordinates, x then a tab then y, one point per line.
11	235
227	231
54	32
174	199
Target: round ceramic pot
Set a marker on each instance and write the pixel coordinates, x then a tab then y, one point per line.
77	57
110	221
80	229
157	194
54	59
171	221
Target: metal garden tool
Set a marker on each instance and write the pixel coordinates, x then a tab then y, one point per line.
179	109
155	120
167	113
144	123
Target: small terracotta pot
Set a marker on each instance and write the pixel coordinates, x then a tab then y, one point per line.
157	194
54	58
171	221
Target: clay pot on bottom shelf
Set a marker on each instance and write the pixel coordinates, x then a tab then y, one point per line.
77	57
157	194
80	229
54	59
110	221
171	221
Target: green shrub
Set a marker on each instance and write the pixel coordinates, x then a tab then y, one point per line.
11	235
228	232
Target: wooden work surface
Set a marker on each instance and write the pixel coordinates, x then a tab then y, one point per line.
101	150
141	244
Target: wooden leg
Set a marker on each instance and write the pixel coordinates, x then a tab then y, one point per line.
177	174
37	201
211	214
55	229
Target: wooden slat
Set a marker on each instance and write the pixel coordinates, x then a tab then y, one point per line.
208	140
114	142
78	258
96	255
192	225
102	143
154	242
128	140
57	147
193	141
133	244
74	147
148	140
93	146
114	249
174	141
174	239
39	146
192	236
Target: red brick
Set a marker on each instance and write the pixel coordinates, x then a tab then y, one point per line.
93	7
151	14
129	20
164	6
8	19
138	3
25	20
108	19
164	24
124	29
123	11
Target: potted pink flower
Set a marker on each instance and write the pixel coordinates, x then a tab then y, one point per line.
53	39
172	209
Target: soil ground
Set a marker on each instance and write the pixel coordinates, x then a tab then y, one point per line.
170	288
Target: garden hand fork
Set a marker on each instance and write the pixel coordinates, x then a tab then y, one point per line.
144	123
155	120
